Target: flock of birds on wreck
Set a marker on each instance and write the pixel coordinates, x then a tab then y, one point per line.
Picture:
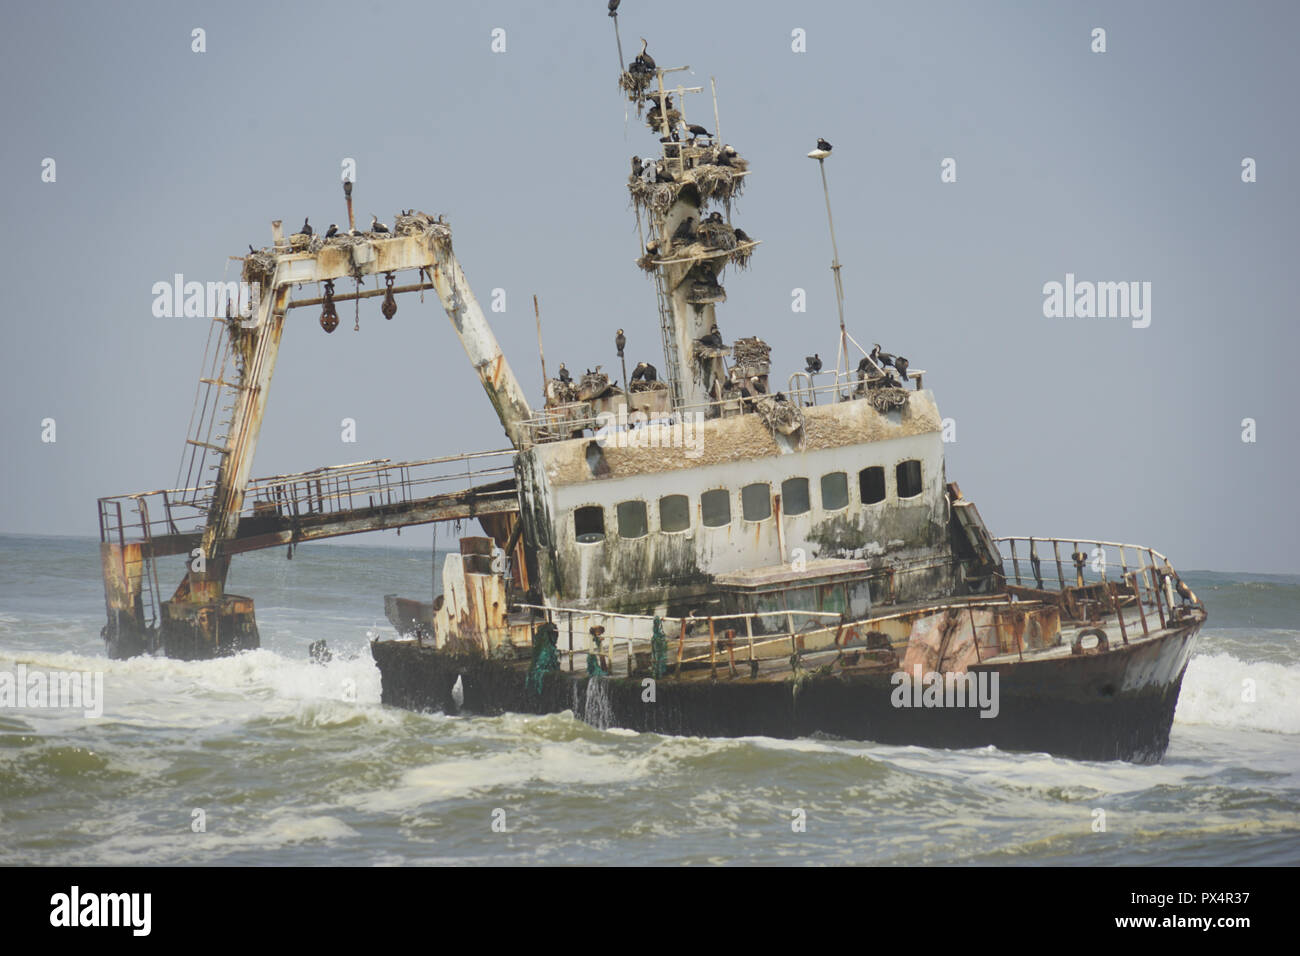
878	368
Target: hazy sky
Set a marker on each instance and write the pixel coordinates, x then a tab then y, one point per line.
1117	166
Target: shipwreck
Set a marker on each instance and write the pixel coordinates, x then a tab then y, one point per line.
708	550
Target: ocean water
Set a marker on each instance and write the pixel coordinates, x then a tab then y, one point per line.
266	758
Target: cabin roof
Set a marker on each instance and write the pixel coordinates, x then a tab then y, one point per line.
820	570
733	441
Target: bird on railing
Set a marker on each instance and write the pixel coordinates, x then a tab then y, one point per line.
697	131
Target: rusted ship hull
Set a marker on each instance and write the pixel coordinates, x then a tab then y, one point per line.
1113	706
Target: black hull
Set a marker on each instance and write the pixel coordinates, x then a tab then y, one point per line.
1112	706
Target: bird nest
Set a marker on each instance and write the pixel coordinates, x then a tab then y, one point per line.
634	84
704	352
654	119
561	393
421	224
259	266
725	242
751	351
592	385
779	414
888	398
720	183
716	236
654	386
655	198
647	263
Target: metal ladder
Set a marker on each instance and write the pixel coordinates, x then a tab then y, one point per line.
149	591
218	390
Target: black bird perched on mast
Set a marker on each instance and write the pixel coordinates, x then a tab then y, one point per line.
613	7
620	340
644	62
713	339
332	231
564	374
814	363
306	229
823	145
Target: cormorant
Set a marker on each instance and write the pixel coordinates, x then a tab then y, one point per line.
823	145
376	225
883	359
715	216
645	372
620	340
742	236
696	130
814	363
713	339
900	363
644	62
685	230
564	374
332	231
306	229
251	250
613	7
637	167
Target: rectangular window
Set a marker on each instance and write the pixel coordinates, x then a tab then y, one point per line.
871	483
715	508
835	491
632	522
674	513
794	496
756	501
589	524
908	478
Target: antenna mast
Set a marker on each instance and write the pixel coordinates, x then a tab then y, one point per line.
841	364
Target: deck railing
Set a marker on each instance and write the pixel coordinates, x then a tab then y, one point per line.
1145	578
716	642
561	422
333	490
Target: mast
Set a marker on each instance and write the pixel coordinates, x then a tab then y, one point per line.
685	260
